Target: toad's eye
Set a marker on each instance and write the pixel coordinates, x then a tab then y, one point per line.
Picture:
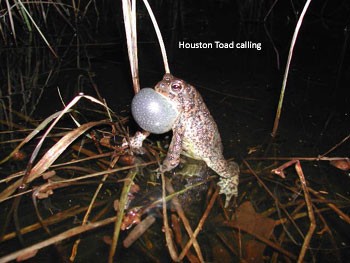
176	87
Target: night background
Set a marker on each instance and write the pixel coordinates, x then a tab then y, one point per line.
241	88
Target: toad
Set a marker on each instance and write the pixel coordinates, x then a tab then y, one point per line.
195	134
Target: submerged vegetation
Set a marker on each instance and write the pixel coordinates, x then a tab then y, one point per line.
72	190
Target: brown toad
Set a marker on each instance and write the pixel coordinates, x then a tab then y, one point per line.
196	135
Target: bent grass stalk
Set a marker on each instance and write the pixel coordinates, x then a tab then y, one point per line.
290	55
129	13
159	35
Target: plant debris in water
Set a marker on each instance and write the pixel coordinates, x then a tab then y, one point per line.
82	178
71	190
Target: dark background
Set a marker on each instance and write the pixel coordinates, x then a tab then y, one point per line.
240	86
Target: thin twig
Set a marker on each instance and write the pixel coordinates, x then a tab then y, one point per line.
336	146
86	216
167	231
179	210
319	158
263	239
200	225
274	198
341	214
310	212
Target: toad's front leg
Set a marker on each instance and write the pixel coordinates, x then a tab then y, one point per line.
172	158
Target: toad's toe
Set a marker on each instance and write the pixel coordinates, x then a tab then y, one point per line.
228	186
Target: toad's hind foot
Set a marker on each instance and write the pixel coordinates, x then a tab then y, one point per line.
229	185
229	188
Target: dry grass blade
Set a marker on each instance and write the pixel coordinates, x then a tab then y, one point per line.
129	13
122	204
290	55
131	38
41	126
51	155
64	111
67	234
56	218
11	19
